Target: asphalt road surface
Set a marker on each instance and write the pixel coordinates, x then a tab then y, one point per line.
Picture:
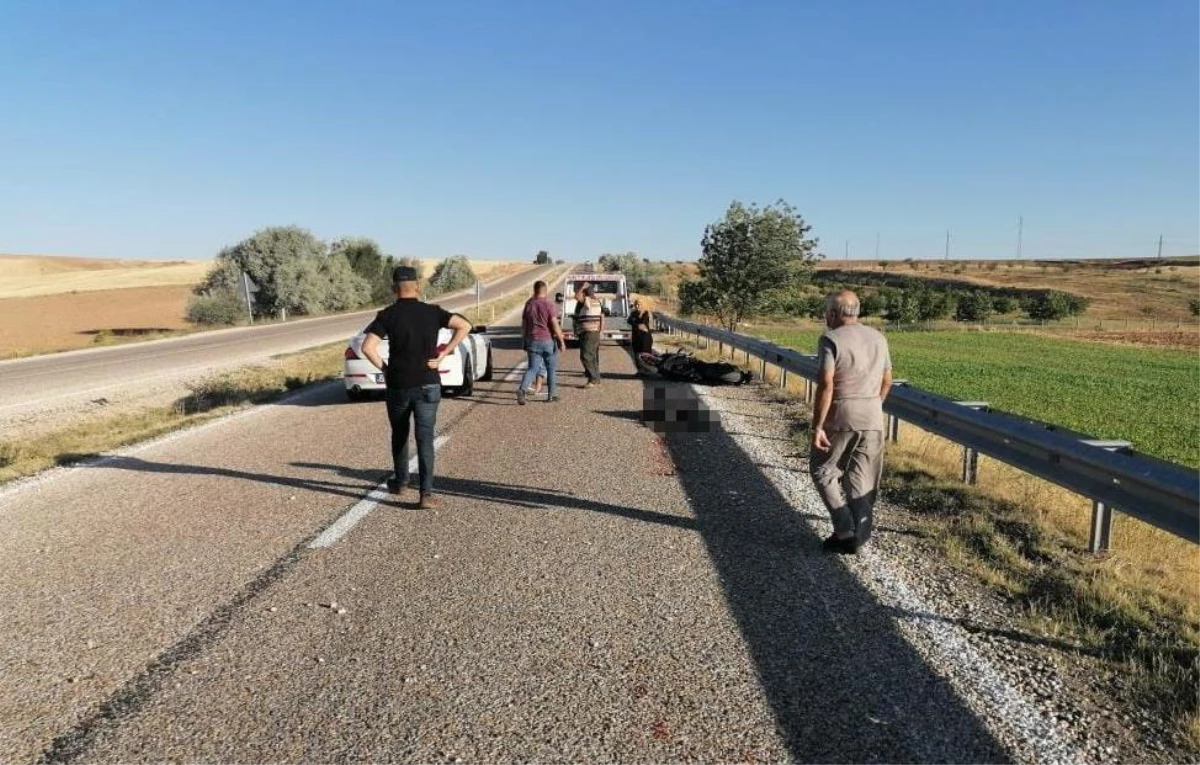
41	383
589	591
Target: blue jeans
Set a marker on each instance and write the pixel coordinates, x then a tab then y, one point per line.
422	404
543	358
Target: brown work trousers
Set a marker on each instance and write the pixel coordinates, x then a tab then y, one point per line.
847	478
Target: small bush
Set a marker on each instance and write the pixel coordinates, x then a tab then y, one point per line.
218	309
1053	306
1194	306
1003	304
974	306
451	275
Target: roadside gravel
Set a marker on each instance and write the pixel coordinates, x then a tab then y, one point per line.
1044	700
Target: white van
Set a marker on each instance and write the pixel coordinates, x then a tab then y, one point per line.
613	294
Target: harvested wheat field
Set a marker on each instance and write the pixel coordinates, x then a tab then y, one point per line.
33	275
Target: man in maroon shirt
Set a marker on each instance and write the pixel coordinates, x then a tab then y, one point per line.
543	338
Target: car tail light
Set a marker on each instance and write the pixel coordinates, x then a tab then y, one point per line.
350	354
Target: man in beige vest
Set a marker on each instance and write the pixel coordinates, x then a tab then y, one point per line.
846	462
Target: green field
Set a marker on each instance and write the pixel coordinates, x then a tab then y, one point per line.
1147	396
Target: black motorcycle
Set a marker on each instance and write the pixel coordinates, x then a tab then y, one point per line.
685	367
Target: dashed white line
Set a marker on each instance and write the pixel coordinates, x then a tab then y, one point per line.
363	508
351	517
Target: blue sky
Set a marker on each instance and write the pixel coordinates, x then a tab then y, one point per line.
496	128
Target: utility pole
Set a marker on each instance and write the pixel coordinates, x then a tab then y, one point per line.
947	244
1160	246
1020	226
847	249
877	245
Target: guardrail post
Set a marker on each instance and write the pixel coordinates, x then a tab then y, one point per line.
808	391
762	370
1102	514
893	428
783	378
1102	518
970	470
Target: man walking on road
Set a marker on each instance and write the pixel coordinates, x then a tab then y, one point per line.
542	338
411	373
846	461
589	324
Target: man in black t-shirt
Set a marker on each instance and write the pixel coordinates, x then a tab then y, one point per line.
411	372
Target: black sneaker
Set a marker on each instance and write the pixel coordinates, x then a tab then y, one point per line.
840	546
521	397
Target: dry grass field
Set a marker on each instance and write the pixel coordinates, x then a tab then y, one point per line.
23	276
50	304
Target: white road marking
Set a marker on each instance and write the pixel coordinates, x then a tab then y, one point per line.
351	517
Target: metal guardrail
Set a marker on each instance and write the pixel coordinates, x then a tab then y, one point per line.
1109	473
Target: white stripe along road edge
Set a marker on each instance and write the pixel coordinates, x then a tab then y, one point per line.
351	517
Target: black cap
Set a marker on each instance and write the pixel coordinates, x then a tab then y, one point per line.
404	274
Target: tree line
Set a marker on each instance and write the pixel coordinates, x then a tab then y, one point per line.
760	261
295	273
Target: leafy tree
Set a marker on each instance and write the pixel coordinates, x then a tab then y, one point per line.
1194	306
746	255
973	306
1049	306
903	307
542	258
451	275
295	273
368	261
1003	303
871	304
263	256
644	276
933	305
224	277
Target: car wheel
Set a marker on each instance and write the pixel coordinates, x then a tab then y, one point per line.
468	386
487	371
355	394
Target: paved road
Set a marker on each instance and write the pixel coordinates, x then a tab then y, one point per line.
46	382
590	591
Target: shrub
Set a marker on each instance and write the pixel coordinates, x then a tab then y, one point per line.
973	306
451	275
1049	306
1003	303
220	308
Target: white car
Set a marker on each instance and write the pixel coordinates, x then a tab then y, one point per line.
471	361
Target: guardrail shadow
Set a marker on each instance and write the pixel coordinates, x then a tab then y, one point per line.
844	684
